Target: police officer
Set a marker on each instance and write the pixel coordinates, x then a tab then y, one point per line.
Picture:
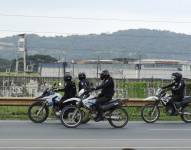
83	82
107	92
69	88
177	87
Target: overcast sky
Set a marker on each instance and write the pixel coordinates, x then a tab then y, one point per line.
65	17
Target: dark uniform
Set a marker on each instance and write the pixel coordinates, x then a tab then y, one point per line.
107	92
177	88
84	83
69	88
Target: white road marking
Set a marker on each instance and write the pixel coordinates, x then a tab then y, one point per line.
169	129
121	147
95	139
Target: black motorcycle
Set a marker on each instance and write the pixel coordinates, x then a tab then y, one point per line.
150	113
112	111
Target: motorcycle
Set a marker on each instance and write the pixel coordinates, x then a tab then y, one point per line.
39	110
72	115
150	113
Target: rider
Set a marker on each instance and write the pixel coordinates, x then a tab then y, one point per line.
69	88
177	87
84	83
106	94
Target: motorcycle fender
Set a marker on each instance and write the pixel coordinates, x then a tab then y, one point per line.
72	100
151	98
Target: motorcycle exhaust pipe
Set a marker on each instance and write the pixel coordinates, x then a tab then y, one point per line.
186	113
113	117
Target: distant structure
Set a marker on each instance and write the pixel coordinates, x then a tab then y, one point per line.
52	69
22	48
133	69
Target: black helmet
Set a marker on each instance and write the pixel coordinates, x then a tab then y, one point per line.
104	74
67	77
81	76
176	76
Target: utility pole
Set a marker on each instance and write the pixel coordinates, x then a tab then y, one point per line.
138	68
73	67
64	66
98	62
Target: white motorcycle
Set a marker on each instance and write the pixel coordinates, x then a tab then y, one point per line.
72	115
39	110
151	112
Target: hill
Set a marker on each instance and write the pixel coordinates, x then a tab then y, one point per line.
122	44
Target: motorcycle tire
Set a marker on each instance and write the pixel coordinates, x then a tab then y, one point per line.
42	115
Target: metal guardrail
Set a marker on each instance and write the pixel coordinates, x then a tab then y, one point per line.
26	101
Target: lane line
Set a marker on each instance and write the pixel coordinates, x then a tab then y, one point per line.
169	129
119	147
94	139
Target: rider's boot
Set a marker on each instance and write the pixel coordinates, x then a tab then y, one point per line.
99	116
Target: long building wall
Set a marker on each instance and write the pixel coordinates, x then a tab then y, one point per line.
116	72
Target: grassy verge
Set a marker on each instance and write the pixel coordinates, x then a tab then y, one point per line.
20	113
135	114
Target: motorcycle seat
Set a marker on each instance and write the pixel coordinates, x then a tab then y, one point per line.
185	100
110	104
111	101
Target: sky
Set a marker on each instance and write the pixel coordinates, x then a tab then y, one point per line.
68	17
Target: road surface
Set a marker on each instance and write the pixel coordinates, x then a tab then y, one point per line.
21	135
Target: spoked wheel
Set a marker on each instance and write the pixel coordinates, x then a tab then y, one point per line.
38	112
71	116
85	116
186	114
118	118
150	113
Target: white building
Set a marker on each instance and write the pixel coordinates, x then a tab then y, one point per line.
139	69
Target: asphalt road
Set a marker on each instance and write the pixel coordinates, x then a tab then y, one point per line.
21	135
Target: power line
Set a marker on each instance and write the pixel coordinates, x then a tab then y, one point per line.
96	19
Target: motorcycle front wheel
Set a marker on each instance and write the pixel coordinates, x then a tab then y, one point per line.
38	112
71	116
186	114
118	118
150	113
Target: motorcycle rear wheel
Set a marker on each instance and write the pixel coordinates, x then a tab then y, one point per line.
118	118
186	114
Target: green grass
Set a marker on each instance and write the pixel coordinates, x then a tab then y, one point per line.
13	112
20	113
135	114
